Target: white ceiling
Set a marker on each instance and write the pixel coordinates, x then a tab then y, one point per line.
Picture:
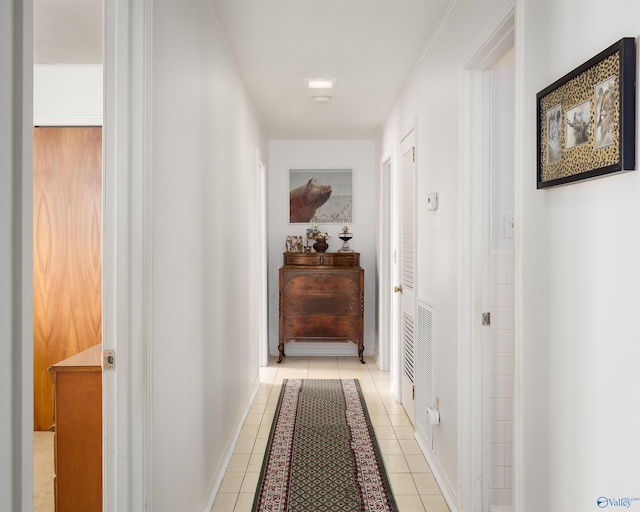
370	47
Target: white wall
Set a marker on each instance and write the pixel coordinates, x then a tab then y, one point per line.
502	150
577	287
67	95
356	155
204	299
432	97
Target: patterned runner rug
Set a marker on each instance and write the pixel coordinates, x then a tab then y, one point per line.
322	454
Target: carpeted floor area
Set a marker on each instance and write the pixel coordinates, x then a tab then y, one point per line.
43	472
322	453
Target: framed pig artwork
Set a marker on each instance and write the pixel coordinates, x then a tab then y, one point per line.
320	196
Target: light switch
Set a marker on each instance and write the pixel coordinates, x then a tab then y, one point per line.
509	223
432	202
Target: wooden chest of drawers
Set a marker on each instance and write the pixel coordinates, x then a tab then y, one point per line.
321	299
77	393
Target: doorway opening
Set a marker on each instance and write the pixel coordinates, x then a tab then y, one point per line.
67	255
485	207
67	319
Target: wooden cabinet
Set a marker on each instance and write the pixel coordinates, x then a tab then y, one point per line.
77	408
321	299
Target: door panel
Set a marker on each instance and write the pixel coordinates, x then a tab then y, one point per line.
407	273
67	232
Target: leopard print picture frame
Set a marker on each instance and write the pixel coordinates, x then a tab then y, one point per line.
586	120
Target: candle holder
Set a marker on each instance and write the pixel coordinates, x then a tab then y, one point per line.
345	236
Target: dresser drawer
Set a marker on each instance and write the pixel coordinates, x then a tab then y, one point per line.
302	258
321	328
317	259
320	283
337	259
338	304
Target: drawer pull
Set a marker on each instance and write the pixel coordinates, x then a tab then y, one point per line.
352	306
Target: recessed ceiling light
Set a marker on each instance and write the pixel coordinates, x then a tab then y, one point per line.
322	99
320	84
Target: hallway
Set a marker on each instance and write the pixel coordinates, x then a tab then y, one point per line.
413	484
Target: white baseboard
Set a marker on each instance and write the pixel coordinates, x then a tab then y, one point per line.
216	479
447	492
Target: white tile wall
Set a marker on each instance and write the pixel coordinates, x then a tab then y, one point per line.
502	362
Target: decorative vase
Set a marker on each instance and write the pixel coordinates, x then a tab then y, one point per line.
321	245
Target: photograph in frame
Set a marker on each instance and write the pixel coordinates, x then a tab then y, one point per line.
606	99
320	196
554	134
578	125
293	243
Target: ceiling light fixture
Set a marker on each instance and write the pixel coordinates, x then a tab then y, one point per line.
322	99
320	84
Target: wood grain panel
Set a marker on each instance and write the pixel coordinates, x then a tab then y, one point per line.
67	234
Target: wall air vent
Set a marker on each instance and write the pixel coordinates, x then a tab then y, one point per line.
424	369
408	344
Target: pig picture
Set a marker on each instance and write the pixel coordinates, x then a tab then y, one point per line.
320	196
306	199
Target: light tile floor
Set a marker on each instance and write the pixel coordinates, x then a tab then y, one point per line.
413	484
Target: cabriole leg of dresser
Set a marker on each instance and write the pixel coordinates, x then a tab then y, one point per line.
281	351
361	351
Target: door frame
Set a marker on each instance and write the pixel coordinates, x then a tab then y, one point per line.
16	256
263	325
127	255
385	279
474	435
